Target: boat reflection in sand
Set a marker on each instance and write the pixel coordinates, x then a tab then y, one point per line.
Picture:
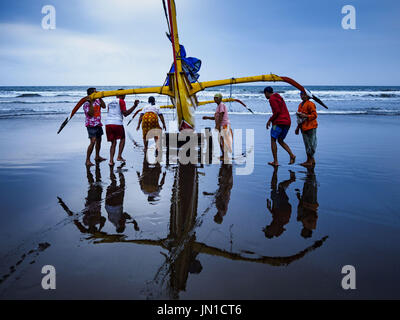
181	244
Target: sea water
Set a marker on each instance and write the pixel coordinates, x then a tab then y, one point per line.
347	100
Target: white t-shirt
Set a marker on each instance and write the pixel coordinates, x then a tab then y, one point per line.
115	115
151	108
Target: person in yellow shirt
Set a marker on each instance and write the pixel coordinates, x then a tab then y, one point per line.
307	123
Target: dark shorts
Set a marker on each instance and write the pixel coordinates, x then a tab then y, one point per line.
115	132
310	141
95	132
279	131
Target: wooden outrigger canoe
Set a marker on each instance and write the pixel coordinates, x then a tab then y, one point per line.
181	92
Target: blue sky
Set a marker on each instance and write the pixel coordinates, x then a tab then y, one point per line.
122	42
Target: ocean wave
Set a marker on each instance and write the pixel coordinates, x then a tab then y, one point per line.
28	95
293	95
350	93
37	102
321	112
26	114
45	94
9	114
383	95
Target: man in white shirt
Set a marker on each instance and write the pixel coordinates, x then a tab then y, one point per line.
115	125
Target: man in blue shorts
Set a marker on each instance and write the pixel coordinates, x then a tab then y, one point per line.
280	121
94	126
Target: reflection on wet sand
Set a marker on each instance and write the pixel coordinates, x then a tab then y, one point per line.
307	209
280	207
92	210
113	204
223	195
181	238
183	250
115	201
149	180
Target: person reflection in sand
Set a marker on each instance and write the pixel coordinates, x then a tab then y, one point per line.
223	195
148	180
280	207
92	212
115	201
308	205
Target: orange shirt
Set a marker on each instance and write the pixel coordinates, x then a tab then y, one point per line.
309	109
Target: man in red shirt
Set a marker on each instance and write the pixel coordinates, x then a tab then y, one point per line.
280	121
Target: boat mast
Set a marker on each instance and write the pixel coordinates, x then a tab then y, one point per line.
182	99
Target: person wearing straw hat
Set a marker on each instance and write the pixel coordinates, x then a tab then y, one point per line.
223	125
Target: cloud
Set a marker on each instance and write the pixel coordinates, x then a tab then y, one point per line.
57	57
120	9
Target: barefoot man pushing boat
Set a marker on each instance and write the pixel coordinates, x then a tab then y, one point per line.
93	125
280	120
149	120
223	125
115	125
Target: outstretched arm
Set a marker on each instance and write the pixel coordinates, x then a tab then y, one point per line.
129	111
208	118
163	121
102	103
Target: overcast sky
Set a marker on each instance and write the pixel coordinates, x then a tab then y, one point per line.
123	42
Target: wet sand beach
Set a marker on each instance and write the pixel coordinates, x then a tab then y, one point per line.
142	231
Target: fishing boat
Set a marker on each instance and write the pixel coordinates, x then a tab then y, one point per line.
182	85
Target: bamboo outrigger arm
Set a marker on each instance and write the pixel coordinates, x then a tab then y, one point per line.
202	103
165	90
196	87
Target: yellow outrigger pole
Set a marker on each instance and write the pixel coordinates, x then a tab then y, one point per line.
180	90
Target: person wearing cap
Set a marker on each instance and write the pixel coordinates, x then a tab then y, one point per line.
149	119
223	125
307	123
280	121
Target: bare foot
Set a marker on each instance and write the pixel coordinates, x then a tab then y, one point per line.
274	164
292	160
121	159
89	163
111	163
306	164
135	225
100	159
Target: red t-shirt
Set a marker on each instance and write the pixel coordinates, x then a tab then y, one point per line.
280	113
